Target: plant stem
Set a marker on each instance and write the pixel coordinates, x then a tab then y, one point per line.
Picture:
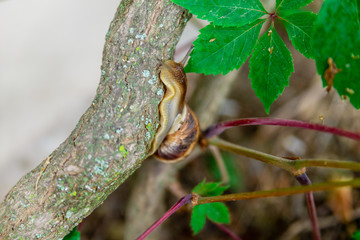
278	192
292	166
183	201
220	164
304	180
227	231
194	199
264	157
327	163
222	126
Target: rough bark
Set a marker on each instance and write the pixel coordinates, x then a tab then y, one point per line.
113	136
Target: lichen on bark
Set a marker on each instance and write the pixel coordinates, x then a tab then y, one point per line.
113	136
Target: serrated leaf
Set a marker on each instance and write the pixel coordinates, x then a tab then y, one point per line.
299	28
209	188
73	235
290	4
198	218
222	49
225	12
336	39
216	212
270	68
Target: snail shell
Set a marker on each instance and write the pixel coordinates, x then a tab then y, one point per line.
179	129
181	139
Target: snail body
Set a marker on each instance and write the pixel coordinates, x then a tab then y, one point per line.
179	129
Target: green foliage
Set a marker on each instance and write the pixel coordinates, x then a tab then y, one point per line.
222	49
198	218
270	68
73	235
216	212
209	189
291	4
356	235
299	27
233	36
336	35
225	12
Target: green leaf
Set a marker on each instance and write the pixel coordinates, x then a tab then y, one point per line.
356	235
73	235
222	49
209	189
225	12
198	218
299	27
336	35
270	68
290	4
216	212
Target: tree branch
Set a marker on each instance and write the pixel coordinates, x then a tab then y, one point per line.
113	136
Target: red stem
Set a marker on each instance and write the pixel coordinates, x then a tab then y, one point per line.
313	217
304	180
183	201
227	231
222	126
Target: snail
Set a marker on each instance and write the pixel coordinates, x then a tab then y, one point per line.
179	128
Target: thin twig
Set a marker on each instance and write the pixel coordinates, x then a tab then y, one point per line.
222	126
195	199
220	163
227	231
289	165
304	180
303	226
183	201
277	192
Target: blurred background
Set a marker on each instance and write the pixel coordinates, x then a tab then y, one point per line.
50	58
